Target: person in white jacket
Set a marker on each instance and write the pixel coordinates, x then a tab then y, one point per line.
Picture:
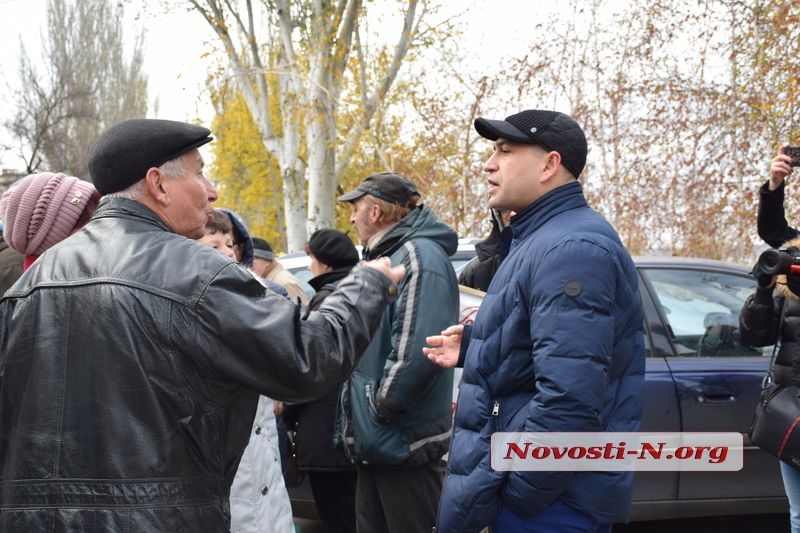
259	501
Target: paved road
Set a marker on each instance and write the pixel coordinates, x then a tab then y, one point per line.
305	526
729	524
735	524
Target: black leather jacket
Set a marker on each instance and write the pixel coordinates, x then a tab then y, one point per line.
131	360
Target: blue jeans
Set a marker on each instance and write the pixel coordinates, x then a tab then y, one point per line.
791	483
556	518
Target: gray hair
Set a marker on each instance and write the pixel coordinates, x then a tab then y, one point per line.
172	168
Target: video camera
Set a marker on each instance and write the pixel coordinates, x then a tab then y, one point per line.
775	262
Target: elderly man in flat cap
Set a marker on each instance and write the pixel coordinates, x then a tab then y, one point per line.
133	356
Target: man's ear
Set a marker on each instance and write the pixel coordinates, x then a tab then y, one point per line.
155	183
374	213
550	164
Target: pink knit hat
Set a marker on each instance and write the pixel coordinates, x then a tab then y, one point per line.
43	209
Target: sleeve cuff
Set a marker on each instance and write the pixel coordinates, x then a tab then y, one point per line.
763	296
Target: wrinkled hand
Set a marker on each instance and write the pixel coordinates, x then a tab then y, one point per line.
780	168
443	349
384	266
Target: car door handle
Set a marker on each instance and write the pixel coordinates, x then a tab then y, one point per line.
715	395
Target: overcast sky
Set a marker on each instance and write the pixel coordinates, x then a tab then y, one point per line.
174	64
175	45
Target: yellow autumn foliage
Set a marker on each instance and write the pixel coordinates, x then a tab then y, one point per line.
244	171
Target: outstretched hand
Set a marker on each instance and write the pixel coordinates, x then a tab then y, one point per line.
384	266
443	349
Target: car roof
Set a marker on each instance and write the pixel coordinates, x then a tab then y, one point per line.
689	262
299	259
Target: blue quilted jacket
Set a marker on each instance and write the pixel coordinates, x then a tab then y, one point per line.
557	346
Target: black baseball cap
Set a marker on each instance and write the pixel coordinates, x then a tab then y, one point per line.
387	186
551	130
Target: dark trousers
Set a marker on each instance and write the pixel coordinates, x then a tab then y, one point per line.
394	500
335	497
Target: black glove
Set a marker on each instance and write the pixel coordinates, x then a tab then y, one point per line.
764	280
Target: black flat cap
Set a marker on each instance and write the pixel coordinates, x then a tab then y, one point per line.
551	130
124	152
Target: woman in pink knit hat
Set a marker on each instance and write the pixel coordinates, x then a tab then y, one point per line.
43	209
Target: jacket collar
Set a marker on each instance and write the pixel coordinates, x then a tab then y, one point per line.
420	223
115	207
557	201
332	276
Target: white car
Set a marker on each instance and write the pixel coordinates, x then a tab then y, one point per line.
297	262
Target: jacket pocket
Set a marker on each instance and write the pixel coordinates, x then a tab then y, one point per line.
374	441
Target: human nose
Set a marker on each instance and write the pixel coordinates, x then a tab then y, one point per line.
491	164
212	192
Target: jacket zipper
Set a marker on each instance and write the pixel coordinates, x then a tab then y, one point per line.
347	443
368	391
496	408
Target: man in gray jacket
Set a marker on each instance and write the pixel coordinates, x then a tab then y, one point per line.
133	356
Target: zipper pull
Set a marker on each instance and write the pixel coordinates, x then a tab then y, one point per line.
496	408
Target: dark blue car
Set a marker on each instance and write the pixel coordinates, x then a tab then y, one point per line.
699	379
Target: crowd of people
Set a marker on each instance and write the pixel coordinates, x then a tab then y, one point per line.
160	369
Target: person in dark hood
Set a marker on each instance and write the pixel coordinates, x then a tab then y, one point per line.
478	273
397	406
242	240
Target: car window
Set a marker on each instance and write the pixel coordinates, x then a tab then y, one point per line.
459	261
701	309
303	274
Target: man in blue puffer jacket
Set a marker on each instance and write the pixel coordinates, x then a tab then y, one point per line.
556	346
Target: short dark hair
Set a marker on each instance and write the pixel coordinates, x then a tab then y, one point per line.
220	223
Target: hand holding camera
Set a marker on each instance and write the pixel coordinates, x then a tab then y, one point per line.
780	168
794	153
